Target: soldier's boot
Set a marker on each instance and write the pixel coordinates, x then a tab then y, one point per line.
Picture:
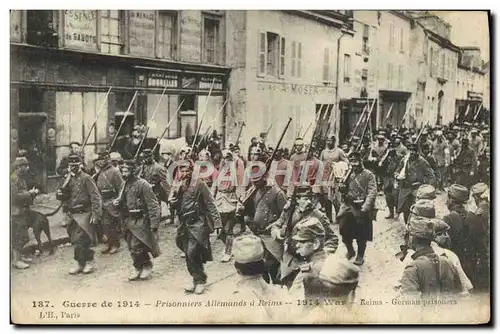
135	275
391	214
350	251
114	247
183	255
26	259
78	268
89	267
189	287
147	270
361	254
228	251
199	289
17	262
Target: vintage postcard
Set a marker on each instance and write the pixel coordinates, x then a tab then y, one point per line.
250	167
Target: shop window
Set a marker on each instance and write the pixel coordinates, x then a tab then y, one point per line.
272	55
347	68
166	41
111	32
41	28
210	40
366	41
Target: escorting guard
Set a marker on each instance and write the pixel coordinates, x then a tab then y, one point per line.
84	204
378	151
401	150
109	183
412	172
458	218
476	142
21	200
198	215
465	165
153	173
320	278
429	274
264	205
282	166
141	215
205	156
357	211
282	232
389	165
227	190
116	160
441	154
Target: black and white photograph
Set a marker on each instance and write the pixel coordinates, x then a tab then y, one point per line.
206	166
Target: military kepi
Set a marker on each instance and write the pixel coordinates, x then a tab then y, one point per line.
309	230
421	227
459	193
247	249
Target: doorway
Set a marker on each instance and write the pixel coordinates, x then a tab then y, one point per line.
32	140
439	119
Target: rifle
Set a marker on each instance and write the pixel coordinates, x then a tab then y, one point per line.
239	134
253	189
478	110
293	202
204	112
123	121
158	139
147	128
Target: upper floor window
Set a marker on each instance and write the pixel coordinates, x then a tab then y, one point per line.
401	40
391	36
166	39
210	40
347	68
272	54
41	28
111	31
366	39
326	65
296	63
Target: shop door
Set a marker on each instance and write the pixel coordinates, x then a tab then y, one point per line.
32	140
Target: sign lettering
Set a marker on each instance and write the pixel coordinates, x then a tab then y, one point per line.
142	32
80	29
294	88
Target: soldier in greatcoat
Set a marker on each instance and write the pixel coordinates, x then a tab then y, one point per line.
281	165
153	173
283	232
442	156
389	165
412	172
358	209
198	215
465	165
84	204
378	150
321	276
21	200
141	218
264	205
428	274
227	189
330	156
109	183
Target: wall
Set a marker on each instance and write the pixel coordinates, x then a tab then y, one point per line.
272	100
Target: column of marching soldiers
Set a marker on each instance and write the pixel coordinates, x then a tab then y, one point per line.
285	230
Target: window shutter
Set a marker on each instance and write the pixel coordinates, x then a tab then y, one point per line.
299	60
294	60
400	77
326	66
391	35
262	54
282	57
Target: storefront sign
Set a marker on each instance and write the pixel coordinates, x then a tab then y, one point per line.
294	88
162	79
474	95
80	29
15	26
206	83
142	32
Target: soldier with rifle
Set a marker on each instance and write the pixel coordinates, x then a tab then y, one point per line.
141	218
84	205
195	207
412	172
153	173
109	182
298	209
359	190
261	206
227	188
388	164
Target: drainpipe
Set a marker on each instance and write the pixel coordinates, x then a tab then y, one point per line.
337	99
